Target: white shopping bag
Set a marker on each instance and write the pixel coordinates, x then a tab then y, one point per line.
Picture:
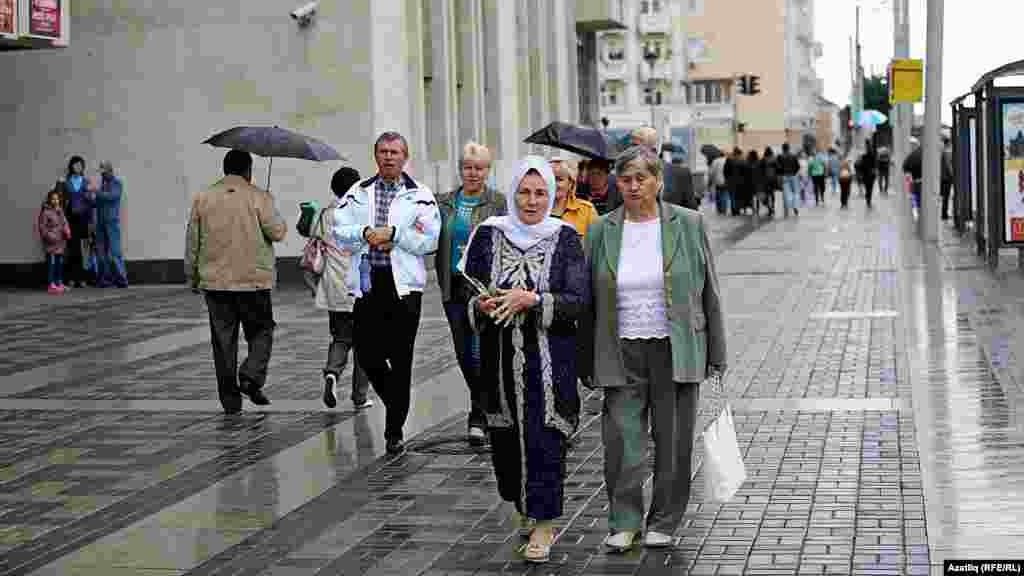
724	471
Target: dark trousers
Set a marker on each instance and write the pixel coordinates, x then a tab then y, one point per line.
819	189
883	179
74	270
844	191
467	351
253	310
387	327
342	325
869	186
944	190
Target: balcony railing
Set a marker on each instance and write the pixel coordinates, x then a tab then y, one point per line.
662	71
659	23
614	69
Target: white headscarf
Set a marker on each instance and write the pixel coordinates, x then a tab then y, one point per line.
526	236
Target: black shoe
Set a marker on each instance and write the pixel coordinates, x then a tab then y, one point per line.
256	396
330	382
232	411
395	447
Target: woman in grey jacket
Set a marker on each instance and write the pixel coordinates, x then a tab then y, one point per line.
462	210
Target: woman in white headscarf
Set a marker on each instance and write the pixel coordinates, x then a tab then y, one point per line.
531	285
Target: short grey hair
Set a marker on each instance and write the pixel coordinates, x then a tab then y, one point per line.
645	155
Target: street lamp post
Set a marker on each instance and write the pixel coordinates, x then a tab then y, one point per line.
651	56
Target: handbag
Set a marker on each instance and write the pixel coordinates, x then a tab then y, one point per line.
313	256
724	471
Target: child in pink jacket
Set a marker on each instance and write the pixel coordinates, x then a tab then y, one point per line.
54	231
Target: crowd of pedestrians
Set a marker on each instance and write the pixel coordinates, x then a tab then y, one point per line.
545	289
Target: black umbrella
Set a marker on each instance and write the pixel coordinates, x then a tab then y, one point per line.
582	140
274	141
710	151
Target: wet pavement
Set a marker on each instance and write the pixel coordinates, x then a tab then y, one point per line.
876	393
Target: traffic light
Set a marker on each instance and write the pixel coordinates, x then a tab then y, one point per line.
742	85
752	85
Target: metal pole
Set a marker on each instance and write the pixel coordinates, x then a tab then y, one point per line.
903	113
929	222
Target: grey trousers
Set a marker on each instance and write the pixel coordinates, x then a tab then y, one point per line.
342	326
649	392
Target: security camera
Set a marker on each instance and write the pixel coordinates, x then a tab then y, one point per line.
304	14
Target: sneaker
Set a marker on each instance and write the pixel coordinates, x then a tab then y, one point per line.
62	288
52	289
477	436
362	404
330	390
620	541
654	539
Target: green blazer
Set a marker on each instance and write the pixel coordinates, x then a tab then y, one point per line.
691	293
492	203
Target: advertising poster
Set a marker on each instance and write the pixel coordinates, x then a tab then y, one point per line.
8	17
1013	170
44	18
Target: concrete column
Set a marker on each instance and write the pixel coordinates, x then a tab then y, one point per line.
572	87
443	123
558	50
929	220
389	93
471	67
902	113
417	135
539	41
502	85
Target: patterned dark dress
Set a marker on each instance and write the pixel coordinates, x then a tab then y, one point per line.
528	369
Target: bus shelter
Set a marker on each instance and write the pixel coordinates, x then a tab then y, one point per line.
989	161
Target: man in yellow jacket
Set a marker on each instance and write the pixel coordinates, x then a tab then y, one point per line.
229	256
580	214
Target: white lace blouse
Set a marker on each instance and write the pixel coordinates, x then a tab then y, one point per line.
641	282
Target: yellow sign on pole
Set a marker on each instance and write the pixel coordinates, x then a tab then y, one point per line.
906	81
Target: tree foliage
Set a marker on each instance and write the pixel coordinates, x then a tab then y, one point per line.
876	94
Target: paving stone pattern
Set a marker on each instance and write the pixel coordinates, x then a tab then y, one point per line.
820	307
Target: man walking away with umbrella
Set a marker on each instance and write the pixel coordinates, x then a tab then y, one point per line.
229	256
678	181
391	222
884	163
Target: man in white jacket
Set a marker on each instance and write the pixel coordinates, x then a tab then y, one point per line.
390	222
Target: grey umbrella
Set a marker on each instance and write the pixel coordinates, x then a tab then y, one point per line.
274	141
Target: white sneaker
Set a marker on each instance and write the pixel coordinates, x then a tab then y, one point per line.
477	436
654	539
620	541
366	403
331	390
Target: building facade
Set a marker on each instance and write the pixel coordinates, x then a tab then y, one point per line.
143	84
700	48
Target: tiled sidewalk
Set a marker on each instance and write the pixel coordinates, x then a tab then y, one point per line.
859	366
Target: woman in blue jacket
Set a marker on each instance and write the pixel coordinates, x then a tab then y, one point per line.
79	200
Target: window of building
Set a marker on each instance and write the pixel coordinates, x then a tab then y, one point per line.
645	6
656	97
696	7
656	6
609	94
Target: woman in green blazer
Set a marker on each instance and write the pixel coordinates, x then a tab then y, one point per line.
657	331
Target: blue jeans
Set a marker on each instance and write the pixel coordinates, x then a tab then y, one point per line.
109	260
55	269
724	200
790	193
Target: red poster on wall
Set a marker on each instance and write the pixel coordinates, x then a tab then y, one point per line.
8	17
44	18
